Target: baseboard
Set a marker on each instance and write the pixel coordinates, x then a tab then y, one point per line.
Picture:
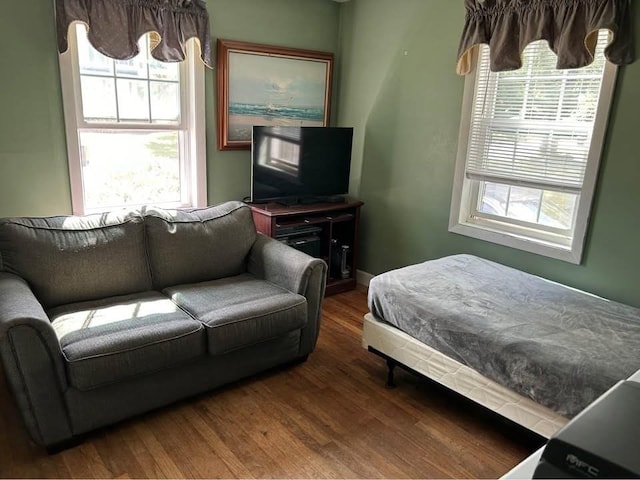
363	278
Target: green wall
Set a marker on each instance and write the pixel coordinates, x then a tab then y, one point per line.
34	177
33	166
399	90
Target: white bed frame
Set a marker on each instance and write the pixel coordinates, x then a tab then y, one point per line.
408	351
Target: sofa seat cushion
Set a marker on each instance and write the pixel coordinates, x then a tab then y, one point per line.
240	311
122	337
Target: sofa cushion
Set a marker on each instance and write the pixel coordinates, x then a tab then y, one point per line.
122	337
190	246
241	311
72	259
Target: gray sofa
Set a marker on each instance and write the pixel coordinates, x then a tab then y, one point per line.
107	316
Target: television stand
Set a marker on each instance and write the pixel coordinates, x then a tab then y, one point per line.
326	230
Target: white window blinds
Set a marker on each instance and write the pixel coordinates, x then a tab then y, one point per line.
533	126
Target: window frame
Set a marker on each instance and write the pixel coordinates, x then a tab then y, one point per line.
191	128
463	216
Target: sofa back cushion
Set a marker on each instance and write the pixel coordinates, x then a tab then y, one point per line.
190	246
73	259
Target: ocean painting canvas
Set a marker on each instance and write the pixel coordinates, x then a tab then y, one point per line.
274	91
264	85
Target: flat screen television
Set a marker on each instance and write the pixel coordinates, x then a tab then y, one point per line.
300	164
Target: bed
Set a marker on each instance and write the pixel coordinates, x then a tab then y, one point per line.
532	350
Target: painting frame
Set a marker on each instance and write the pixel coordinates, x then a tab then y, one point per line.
291	66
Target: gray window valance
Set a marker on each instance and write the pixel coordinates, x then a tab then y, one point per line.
570	26
116	25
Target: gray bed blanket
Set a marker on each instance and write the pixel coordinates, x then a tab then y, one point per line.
556	345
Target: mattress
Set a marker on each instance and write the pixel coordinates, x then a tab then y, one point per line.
458	377
559	347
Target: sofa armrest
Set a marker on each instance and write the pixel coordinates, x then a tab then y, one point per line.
297	272
33	362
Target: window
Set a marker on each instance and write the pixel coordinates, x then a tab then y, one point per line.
530	144
135	128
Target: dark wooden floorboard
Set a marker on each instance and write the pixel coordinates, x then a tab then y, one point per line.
329	417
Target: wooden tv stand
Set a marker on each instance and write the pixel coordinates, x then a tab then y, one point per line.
324	227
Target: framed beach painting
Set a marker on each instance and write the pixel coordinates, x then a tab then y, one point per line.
269	85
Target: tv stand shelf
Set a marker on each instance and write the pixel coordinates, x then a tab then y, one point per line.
336	227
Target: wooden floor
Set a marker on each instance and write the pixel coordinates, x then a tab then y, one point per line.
329	417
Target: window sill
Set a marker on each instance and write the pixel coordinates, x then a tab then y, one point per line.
571	254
